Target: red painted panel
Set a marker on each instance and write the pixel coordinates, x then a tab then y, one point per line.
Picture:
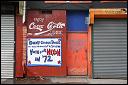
68	2
77	54
89	52
19	47
35	31
54	1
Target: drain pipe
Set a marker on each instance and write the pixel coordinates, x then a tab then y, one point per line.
24	11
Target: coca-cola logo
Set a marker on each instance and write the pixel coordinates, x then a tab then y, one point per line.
51	25
34	26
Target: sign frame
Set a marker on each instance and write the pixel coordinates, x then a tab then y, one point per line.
44	64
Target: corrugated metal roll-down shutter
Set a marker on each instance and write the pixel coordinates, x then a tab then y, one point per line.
110	48
7	46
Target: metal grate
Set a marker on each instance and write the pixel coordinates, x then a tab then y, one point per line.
7	46
110	48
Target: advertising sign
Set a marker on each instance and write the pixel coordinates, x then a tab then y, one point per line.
43	27
111	11
44	52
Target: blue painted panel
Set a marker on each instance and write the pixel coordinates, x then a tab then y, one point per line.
77	20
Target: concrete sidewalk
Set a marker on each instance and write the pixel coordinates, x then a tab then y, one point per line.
85	80
62	80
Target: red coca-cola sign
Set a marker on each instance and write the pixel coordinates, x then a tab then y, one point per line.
40	25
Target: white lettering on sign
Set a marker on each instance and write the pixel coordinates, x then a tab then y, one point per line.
34	26
51	26
39	19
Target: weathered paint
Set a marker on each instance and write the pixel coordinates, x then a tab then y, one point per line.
55	16
107	13
89	52
24	48
77	53
91	13
19	47
54	1
67	1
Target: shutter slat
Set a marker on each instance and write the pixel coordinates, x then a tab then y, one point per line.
110	48
7	46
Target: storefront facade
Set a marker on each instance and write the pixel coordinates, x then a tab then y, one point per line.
70	42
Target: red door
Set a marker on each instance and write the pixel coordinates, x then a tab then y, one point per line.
77	54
